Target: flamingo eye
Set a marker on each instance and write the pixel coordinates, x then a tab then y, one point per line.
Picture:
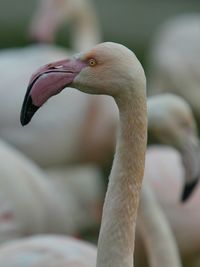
92	62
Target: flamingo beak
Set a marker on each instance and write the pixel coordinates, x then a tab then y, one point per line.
188	189
49	80
191	160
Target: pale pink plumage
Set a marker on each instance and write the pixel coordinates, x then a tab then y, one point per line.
173	59
32	203
164	171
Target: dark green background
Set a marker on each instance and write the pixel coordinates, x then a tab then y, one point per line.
127	21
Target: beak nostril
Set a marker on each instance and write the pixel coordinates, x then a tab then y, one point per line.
58	67
52	66
55	67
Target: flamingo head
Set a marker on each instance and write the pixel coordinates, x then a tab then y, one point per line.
171	122
108	68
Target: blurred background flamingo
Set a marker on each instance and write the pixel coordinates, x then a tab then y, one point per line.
174	59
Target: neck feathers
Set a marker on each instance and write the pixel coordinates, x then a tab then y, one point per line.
117	234
156	232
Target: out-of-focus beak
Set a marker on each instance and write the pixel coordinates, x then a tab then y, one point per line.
49	80
190	153
188	189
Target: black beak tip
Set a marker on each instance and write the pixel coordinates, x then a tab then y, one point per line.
28	110
188	189
24	121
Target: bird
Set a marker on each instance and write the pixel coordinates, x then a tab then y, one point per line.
82	189
164	171
171	122
126	83
173	59
27	198
50	14
33	203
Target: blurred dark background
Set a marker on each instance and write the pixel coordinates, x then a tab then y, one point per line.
131	23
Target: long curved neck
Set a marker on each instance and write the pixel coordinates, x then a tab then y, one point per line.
156	232
117	233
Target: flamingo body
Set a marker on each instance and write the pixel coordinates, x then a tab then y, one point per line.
173	59
165	172
32	203
55	251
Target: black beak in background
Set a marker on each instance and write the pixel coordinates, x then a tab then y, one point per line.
188	189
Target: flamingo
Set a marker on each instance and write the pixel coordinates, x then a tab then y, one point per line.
171	122
164	171
173	59
50	14
27	198
35	203
125	82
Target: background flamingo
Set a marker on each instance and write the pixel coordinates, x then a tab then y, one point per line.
81	14
32	203
171	122
164	171
173	59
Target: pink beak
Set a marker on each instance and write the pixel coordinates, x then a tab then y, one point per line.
49	80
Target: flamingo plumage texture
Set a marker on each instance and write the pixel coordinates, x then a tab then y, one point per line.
173	59
124	79
171	122
32	203
165	173
29	203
